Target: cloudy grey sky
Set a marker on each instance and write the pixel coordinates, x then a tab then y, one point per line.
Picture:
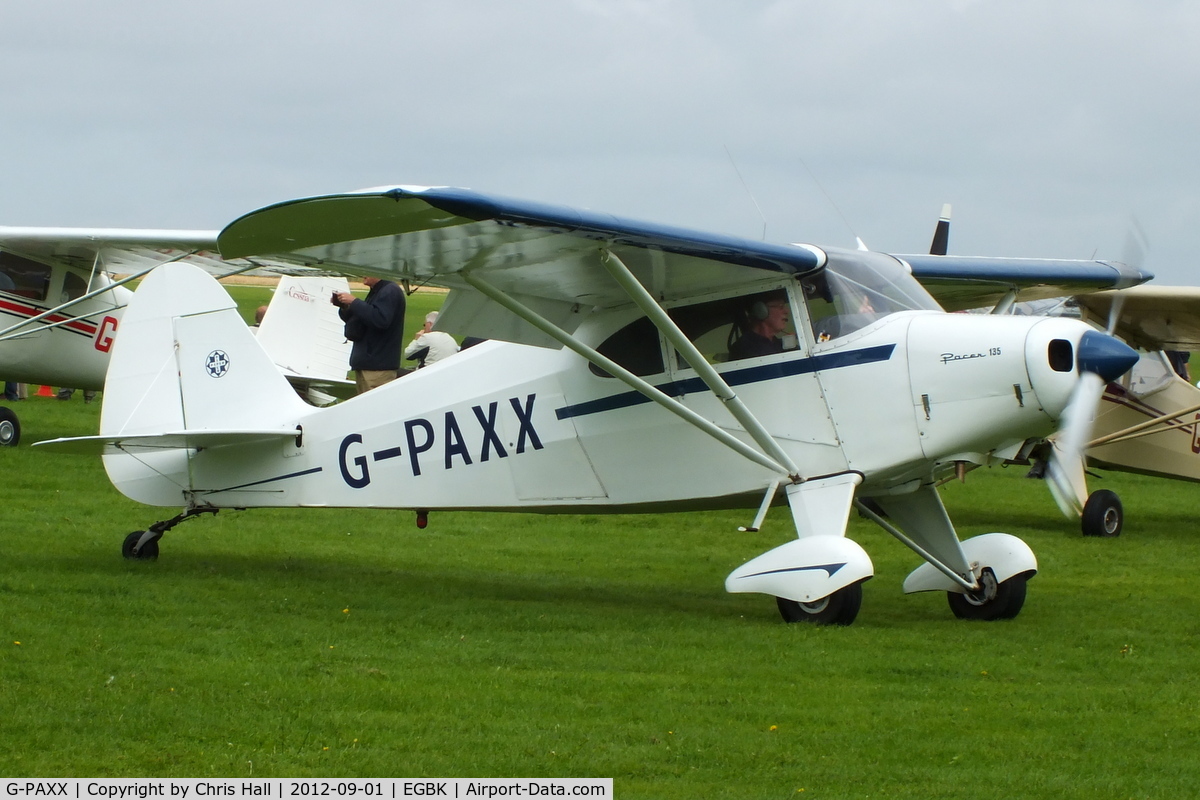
1048	126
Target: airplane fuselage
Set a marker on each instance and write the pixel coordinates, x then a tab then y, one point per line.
504	426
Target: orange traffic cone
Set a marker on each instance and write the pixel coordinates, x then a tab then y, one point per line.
46	391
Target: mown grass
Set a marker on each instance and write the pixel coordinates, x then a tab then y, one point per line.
341	643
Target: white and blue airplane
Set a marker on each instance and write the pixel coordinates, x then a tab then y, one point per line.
619	378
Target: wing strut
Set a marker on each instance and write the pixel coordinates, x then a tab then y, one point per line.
1147	428
712	379
624	375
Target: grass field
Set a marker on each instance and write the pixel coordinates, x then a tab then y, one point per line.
351	644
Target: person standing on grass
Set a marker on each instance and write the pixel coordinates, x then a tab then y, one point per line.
376	327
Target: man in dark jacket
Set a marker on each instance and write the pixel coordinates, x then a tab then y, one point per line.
376	326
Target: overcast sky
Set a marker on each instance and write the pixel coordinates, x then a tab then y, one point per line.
1049	126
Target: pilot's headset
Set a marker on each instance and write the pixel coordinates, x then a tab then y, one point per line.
760	310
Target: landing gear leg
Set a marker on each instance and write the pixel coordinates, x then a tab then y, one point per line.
143	545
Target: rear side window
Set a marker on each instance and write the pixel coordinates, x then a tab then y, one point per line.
24	278
635	347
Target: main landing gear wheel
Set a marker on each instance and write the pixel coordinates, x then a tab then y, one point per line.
1102	514
148	551
839	608
10	428
994	600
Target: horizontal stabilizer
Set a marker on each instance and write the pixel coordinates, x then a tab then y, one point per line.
174	440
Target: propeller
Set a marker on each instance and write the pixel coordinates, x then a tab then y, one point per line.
941	234
1101	358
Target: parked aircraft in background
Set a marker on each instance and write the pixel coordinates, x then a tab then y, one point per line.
61	307
622	381
1149	421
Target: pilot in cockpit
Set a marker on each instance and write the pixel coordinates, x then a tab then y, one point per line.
764	320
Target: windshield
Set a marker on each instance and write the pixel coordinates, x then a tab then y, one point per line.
858	287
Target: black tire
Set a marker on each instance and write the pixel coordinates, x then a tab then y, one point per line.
996	601
839	608
10	427
149	551
1103	514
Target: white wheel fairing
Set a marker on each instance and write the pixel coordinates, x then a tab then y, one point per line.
805	570
1004	554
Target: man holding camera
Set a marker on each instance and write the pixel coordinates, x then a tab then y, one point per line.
376	326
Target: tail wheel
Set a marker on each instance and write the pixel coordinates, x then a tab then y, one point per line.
148	551
839	608
994	600
1102	514
10	427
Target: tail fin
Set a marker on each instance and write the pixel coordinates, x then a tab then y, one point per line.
185	361
303	335
302	331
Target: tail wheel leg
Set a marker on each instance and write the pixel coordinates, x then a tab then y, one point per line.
144	544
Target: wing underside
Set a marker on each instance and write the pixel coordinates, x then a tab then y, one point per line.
1150	317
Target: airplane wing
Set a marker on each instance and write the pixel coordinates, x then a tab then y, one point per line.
962	282
126	250
1150	317
547	257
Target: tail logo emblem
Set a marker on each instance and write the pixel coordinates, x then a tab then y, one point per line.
217	363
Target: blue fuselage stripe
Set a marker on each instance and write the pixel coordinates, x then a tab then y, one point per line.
737	377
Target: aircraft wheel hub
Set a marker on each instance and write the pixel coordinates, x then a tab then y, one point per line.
987	589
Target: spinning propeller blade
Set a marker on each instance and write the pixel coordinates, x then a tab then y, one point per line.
1100	359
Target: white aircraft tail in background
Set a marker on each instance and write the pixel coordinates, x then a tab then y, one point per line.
304	336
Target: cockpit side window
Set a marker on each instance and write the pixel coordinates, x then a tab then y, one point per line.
635	347
734	328
23	277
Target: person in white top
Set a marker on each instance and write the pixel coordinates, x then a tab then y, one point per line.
429	345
